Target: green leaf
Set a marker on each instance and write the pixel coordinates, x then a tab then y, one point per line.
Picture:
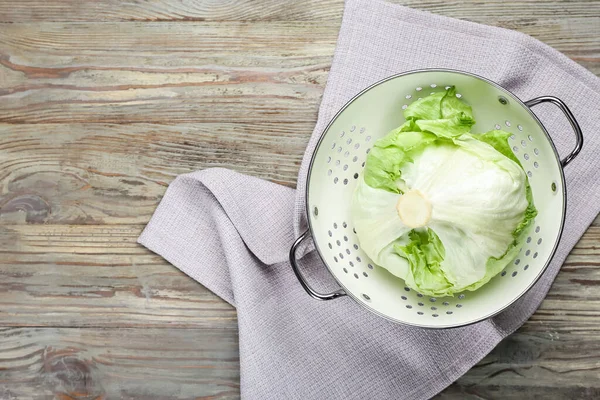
425	253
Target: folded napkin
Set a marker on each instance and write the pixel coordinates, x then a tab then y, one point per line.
232	233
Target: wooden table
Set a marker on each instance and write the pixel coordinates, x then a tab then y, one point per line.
102	104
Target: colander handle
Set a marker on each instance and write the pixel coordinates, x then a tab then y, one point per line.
305	285
563	107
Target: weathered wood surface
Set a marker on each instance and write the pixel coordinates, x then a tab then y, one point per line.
102	104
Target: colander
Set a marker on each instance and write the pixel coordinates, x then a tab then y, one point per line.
339	160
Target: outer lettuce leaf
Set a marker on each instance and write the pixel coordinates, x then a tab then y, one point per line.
425	253
454	126
382	169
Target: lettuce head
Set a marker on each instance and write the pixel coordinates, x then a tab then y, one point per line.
440	207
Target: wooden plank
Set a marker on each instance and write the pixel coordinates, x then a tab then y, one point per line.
192	72
191	363
154	72
539	364
96	275
111	173
522	12
118	363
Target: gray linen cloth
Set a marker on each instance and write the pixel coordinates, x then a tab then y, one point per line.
232	233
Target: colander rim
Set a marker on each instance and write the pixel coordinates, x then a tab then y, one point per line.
562	182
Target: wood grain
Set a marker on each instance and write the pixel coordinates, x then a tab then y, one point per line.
108	173
278	10
102	104
71	363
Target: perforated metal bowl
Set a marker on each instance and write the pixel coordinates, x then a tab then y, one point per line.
338	162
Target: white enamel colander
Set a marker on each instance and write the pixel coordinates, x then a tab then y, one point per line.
339	160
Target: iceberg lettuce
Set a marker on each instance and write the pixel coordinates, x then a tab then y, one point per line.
440	207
